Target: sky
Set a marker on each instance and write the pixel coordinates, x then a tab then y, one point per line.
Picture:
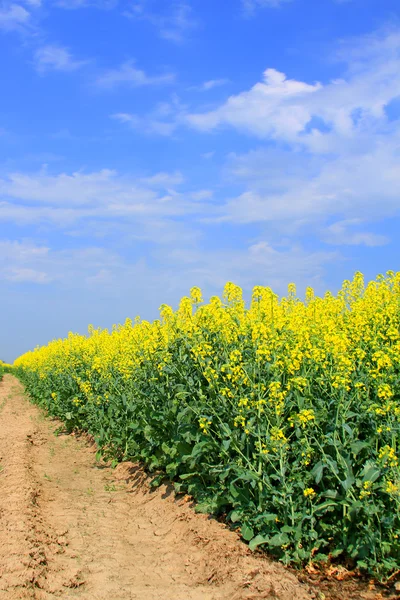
147	146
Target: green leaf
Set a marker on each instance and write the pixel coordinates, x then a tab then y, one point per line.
356	447
318	471
279	539
331	494
348	482
371	474
233	491
165	448
247	532
347	428
337	552
187	475
226	444
287	529
268	517
257	541
324	506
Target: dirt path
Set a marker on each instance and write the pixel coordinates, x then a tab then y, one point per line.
72	528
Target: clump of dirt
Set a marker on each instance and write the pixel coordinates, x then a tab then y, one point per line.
72	527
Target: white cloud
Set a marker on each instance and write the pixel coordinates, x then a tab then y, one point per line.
13	17
146	209
176	26
295	187
333	117
64	199
250	6
21	251
336	151
256	264
209	85
163	180
56	58
74	4
173	24
342	233
21	275
274	106
129	74
147	124
320	117
27	262
162	120
14	258
169	274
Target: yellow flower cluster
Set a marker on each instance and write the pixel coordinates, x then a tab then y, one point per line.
366	491
392	488
204	424
387	456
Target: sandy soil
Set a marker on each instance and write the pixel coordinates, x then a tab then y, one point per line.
74	528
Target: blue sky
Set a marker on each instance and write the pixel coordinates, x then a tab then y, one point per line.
147	146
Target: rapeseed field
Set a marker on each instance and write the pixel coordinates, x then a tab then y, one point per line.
281	415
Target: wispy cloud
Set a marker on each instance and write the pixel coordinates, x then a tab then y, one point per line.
209	85
23	275
74	4
17	259
163	120
128	74
173	23
24	261
56	58
302	190
258	261
13	17
250	6
67	198
148	124
347	233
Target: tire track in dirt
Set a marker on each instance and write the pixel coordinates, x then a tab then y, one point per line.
74	528
22	539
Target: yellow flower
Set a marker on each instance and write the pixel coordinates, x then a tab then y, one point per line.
385	391
391	488
309	492
366	491
195	295
387	456
204	424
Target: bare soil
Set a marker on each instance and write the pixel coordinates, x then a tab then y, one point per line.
71	527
